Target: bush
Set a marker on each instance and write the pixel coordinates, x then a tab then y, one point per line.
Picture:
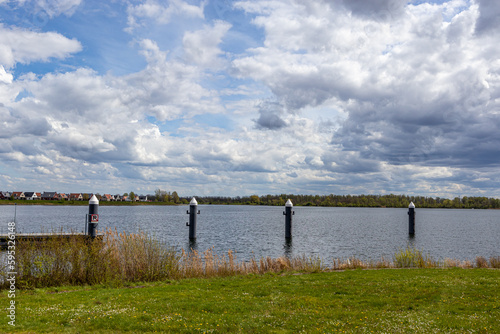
412	258
481	262
495	262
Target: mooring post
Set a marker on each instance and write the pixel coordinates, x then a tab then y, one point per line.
288	219
193	206
93	217
411	215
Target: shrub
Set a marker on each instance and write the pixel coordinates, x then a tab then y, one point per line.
481	262
412	258
495	262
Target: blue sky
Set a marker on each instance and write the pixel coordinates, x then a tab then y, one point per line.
221	97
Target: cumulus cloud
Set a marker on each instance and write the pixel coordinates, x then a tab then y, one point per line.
375	10
24	46
270	118
489	17
202	47
160	12
415	91
102	119
5	77
168	89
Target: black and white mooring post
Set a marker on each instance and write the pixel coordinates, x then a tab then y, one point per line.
93	217
411	215
288	219
193	211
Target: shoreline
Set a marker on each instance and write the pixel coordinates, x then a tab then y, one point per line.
106	203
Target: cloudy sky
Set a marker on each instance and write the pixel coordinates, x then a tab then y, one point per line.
222	97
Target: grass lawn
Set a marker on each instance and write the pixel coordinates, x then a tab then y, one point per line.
361	301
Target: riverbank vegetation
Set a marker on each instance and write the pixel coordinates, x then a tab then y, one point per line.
352	301
126	283
123	258
389	201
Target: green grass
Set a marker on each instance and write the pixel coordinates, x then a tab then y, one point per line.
77	286
361	301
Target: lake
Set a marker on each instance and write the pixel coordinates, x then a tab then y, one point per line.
367	233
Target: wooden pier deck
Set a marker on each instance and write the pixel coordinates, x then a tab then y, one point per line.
4	238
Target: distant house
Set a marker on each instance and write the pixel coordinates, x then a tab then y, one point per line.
5	195
130	199
146	198
50	196
18	195
75	197
30	195
39	195
118	198
108	197
63	196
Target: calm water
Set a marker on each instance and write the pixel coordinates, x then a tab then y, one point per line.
367	233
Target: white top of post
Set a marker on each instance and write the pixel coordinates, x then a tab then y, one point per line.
411	206
289	203
193	202
94	200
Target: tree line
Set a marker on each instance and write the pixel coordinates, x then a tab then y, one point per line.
381	201
389	201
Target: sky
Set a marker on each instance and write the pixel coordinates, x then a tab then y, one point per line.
234	98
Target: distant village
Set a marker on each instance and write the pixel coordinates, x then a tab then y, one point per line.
54	196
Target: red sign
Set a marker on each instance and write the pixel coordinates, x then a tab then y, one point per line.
94	218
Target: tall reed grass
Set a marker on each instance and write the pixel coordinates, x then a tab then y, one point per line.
116	257
122	258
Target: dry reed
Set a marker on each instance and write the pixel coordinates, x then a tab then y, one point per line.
495	262
119	258
481	262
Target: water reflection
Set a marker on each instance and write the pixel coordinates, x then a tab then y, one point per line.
288	247
192	245
411	241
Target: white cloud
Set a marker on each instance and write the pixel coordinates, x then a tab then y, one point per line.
377	71
5	77
160	12
202	47
24	46
58	7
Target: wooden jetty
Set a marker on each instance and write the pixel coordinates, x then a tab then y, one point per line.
4	238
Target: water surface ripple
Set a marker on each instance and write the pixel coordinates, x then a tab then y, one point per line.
367	233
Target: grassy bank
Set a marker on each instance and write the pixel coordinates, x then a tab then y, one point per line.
360	301
122	258
131	283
